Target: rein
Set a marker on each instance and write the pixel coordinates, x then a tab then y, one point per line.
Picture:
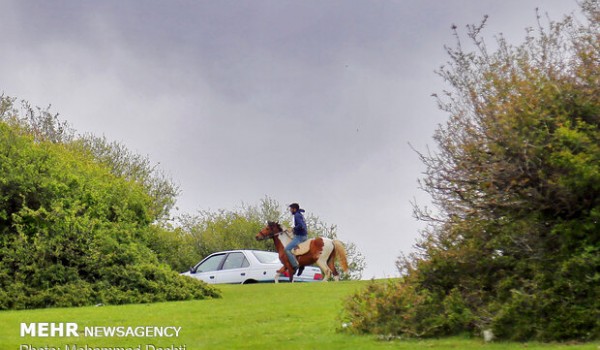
275	234
272	235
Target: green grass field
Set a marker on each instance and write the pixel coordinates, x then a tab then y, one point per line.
261	316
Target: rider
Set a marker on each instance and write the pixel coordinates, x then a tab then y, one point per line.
300	233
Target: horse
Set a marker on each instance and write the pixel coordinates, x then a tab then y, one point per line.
323	252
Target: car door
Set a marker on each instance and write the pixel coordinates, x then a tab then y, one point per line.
235	268
208	269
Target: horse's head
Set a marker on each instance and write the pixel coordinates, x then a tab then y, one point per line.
271	230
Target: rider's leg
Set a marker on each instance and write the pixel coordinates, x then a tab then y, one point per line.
288	250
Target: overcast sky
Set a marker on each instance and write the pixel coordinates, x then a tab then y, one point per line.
313	102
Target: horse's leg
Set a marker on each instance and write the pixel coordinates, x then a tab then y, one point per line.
290	270
287	266
278	273
331	265
325	269
322	263
336	275
325	257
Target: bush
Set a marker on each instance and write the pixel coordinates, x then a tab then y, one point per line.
399	308
561	305
513	244
174	247
72	233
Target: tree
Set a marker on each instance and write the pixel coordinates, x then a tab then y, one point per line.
44	125
137	168
40	123
514	242
356	261
236	229
214	231
72	233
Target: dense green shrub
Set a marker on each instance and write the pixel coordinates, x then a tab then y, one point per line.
174	247
559	304
73	233
398	308
514	245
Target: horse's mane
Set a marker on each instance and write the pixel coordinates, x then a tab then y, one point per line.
275	223
281	228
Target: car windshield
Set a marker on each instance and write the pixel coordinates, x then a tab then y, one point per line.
210	264
266	257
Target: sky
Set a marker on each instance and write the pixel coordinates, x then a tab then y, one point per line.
315	102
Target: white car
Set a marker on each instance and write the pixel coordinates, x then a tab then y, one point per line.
246	266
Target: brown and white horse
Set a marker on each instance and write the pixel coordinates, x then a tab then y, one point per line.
323	252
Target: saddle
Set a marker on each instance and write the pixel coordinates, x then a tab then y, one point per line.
303	247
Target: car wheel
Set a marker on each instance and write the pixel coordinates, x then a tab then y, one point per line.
249	282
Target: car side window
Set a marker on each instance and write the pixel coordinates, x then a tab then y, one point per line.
235	261
210	264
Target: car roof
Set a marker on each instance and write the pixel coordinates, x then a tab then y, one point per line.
242	250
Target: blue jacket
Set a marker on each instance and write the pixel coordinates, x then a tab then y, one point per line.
300	224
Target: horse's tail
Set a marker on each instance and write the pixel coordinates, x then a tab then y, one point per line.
340	252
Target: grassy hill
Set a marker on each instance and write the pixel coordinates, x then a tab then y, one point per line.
264	316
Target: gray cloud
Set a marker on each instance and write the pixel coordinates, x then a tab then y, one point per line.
312	102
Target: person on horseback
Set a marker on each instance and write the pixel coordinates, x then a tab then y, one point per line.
300	233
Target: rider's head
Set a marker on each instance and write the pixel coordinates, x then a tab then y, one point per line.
294	207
